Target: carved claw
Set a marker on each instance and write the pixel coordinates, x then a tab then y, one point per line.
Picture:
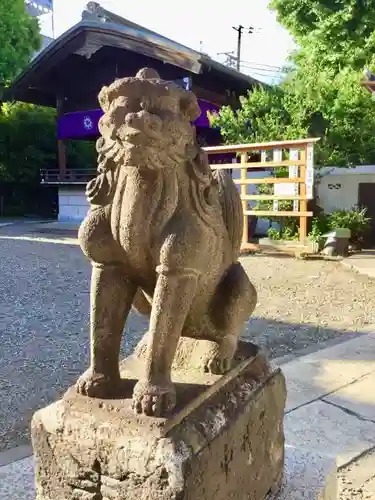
96	385
217	365
153	399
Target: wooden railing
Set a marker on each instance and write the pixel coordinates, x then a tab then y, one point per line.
297	155
69	176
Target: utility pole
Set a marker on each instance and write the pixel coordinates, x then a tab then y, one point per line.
239	30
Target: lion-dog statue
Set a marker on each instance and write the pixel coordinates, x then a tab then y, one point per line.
163	234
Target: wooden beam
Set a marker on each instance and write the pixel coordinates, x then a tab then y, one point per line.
303	204
245	233
370	85
270	197
245	148
272	213
270	180
256	164
61	145
210	96
61	158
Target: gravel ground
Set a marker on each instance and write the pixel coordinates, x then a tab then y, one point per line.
44	299
307	302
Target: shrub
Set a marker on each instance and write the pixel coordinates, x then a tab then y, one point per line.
288	233
356	220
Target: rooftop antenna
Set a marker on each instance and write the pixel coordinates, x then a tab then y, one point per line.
53	21
230	60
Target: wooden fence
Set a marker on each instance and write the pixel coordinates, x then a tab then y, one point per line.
297	156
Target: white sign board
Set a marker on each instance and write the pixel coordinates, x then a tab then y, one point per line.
291	189
277	157
310	172
293	173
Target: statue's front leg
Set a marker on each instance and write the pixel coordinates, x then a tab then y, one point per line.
171	303
111	299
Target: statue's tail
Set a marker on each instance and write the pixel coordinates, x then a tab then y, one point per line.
231	206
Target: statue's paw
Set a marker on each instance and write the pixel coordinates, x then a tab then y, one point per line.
153	399
218	365
219	360
95	385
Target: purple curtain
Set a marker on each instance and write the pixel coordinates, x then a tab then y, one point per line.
81	124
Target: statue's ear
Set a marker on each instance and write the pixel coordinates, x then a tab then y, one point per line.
189	106
103	99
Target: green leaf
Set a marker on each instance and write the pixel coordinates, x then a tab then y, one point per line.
19	38
28	144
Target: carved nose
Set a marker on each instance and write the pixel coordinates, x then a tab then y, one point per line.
145	122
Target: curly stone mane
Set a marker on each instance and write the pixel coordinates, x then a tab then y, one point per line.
147	124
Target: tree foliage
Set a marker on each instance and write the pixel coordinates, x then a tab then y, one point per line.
19	38
338	33
27	132
28	144
322	96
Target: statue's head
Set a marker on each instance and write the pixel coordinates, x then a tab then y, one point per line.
146	122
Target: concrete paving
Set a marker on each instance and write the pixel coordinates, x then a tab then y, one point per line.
331	411
15	454
362	262
324	372
17	480
357	399
308	476
57	227
323	428
329	424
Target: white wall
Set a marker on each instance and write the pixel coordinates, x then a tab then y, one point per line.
338	188
73	205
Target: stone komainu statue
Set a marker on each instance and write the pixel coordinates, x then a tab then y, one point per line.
163	234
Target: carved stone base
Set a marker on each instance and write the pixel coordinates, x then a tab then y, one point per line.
225	440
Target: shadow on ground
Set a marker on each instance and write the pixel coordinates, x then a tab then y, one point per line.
39	376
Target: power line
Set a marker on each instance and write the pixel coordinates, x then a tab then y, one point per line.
263	76
278	76
261	64
266	75
265	69
281	74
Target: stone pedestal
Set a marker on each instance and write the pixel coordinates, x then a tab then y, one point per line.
224	441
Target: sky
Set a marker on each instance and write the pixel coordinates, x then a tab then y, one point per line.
202	25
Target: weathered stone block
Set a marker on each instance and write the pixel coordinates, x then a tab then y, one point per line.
224	440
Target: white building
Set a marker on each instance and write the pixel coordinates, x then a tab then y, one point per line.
345	188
